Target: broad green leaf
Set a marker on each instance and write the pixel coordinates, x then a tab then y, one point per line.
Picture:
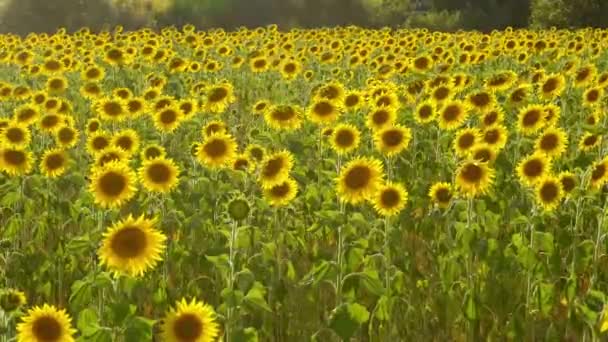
88	322
347	318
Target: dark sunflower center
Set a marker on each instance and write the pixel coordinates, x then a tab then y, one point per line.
593	95
384	101
108	157
289	68
582	75
443	195
351	100
152	152
93	73
451	113
425	112
112	183
159	173
483	155
273	167
534	168
598	172
590	140
162	104
549	142
284	113
49	121
550	85
330	92
14	157
168	117
217	94
568	183
66	135
186	108
344	138
323	108
280	190
421	63
99	143
480	99
441	93
112	108
390	198
129	242
15	134
466	140
358	177
549	192
392	138
490	118
46	328
54	161
188	328
260	63
134	106
56	84
257	153
125	143
52	65
472	173
215	148
380	117
114	55
26	114
260	106
241	164
498	80
518	95
531	118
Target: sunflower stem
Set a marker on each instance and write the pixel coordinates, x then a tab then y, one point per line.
474	333
233	236
339	256
387	270
598	239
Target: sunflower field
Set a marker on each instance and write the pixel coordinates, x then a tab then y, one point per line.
342	184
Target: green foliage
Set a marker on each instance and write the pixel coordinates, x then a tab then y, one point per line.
568	13
436	21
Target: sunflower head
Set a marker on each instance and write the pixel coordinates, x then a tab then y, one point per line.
159	174
275	168
549	192
344	138
392	140
390	199
532	168
112	184
11	300
153	151
217	150
281	193
54	163
359	180
45	323
474	178
238	208
441	193
194	321
15	161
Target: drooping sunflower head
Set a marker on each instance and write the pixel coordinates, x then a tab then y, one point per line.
260	106
549	192
282	193
243	162
275	168
359	180
113	184
484	153
132	246
331	91
390	199
532	168
45	323
214	127
392	140
54	163
345	138
194	321
599	173
11	300
15	161
441	194
474	178
159	175
217	150
256	152
519	95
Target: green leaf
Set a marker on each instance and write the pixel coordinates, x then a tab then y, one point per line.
88	322
347	318
255	297
470	308
318	273
246	335
543	242
139	329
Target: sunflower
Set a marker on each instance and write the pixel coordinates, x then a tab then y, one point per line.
599	173
568	181
290	69
283	117
113	184
259	64
194	321
26	114
45	324
56	85
552	114
483	152
465	139
474	178
381	117
390	199
592	96
552	142
214	127
482	100
323	111
15	161
218	97
92	73
532	168
282	193
153	151
66	136
53	163
530	119
453	114
91	90
255	152
441	194
97	142
549	192
359	180
15	135
585	75
501	81
275	168
110	154
496	136
136	106
345	138
260	106
111	109
425	112
589	141
387	99
132	246
122	93
353	100
50	122
127	139
217	150
244	163
12	300
422	63
552	86
519	95
159	175
392	140
332	91
168	119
